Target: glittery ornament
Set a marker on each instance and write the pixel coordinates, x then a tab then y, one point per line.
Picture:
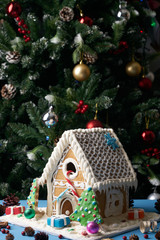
123	14
92	227
13	9
148	136
81	72
94	124
66	14
50	118
13	57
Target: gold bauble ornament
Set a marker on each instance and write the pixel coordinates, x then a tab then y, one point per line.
133	69
81	72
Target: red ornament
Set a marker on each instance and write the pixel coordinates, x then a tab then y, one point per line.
94	124
148	136
124	238
23	233
60	236
8	227
13	9
145	83
87	20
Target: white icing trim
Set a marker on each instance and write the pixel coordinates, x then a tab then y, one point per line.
64	168
67	138
63	183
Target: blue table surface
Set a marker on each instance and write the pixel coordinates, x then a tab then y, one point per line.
147	205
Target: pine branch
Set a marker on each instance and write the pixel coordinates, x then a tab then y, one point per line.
118	31
36	120
24	131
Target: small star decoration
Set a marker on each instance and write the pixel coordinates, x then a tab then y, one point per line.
111	141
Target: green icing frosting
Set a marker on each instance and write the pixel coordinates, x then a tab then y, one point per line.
87	209
31	197
19	215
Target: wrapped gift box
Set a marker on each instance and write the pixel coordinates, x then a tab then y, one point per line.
58	221
135	214
14	210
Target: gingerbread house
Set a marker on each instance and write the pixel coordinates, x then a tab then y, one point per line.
88	157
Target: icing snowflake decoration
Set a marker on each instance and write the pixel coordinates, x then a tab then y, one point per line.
111	141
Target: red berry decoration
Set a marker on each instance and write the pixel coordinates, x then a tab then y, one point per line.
60	236
124	238
86	20
94	124
13	9
145	83
23	233
18	19
8	227
81	108
81	102
148	136
3	231
146	236
122	46
154	152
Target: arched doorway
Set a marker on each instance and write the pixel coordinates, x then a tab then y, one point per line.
67	204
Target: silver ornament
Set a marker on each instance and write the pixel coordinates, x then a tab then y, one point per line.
13	57
123	14
154	195
151	76
50	118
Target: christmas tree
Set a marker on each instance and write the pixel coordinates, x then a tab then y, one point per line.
87	209
64	61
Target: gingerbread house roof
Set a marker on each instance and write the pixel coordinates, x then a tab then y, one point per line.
100	154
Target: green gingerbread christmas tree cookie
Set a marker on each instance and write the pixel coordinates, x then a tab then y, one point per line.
32	199
87	209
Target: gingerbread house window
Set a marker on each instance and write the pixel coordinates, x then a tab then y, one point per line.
70	165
